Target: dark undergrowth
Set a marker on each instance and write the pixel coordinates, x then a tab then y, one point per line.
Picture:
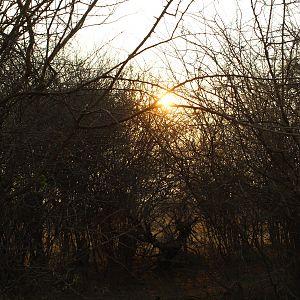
187	278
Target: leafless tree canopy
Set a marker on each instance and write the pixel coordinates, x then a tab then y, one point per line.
99	183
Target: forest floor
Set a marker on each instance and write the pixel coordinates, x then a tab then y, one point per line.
185	280
182	283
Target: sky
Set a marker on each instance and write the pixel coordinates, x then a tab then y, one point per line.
133	19
129	24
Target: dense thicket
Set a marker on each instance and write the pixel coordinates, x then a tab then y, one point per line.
97	182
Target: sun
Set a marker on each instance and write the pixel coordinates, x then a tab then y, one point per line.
168	100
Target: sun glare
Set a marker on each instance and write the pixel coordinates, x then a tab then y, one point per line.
168	100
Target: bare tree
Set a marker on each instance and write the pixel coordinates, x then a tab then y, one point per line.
240	162
71	173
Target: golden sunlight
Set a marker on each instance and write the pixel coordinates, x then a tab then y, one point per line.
168	100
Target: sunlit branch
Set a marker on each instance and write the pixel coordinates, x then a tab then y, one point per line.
122	120
195	108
